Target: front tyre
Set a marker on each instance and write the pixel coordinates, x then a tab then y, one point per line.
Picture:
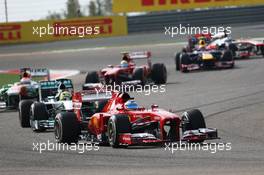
39	112
177	61
117	125
184	60
66	128
192	120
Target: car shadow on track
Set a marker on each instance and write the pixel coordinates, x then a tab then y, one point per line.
8	110
251	58
172	83
212	70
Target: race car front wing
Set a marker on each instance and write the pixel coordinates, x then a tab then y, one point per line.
198	135
42	124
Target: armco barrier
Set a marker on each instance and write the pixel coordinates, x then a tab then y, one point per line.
157	21
23	32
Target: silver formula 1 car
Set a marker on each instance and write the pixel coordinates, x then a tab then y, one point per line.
40	115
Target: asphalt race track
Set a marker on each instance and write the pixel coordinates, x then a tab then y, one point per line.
232	101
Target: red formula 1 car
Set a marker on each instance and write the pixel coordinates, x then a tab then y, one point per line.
116	119
129	73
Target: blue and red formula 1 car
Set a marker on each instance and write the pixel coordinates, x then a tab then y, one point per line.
202	53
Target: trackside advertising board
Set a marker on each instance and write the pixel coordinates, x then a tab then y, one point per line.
161	5
55	30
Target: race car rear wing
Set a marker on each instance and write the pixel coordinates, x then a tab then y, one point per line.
67	82
96	97
206	35
39	72
138	55
250	41
92	95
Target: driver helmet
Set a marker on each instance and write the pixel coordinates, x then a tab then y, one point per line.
26	77
26	74
62	87
131	105
126	57
124	64
65	96
202	44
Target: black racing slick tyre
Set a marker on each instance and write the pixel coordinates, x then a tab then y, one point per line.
66	128
192	120
262	50
117	124
39	111
92	77
24	113
159	73
185	60
139	75
177	61
233	48
227	56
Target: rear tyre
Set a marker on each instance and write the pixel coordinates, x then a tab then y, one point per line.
233	48
159	73
227	56
66	128
262	50
24	113
192	120
139	75
39	112
117	124
92	77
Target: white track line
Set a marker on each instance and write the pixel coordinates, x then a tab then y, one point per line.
57	74
99	48
51	52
